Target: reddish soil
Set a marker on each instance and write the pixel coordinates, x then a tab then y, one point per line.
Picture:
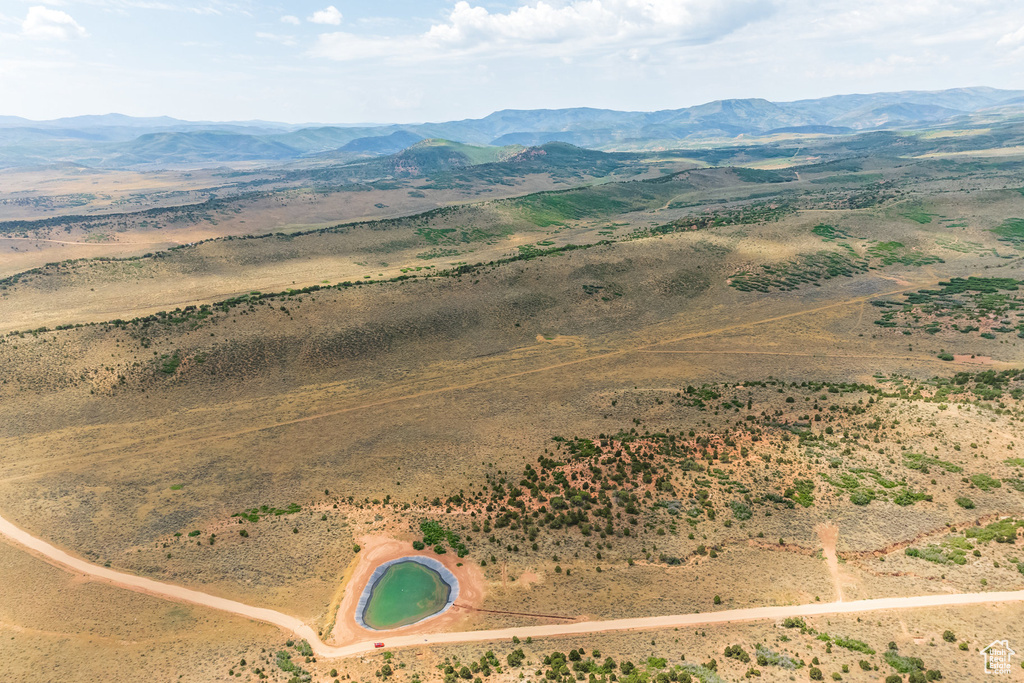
828	534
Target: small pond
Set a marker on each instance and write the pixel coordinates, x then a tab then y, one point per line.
406	591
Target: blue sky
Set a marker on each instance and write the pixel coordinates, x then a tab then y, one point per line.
405	61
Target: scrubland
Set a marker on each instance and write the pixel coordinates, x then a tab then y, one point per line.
632	398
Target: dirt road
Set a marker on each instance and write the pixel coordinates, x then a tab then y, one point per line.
140	584
681	620
77	565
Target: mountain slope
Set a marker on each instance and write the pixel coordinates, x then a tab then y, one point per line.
117	140
382	144
155	148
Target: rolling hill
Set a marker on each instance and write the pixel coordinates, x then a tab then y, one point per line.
121	141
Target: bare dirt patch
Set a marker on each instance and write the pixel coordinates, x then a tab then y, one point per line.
828	534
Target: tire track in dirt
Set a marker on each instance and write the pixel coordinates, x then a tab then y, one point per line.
556	366
206	436
85	244
828	534
916	359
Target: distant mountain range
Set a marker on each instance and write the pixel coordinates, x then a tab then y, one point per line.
116	141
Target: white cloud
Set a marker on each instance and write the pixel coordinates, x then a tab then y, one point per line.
51	24
562	30
277	38
688	20
329	15
879	67
483	55
1013	38
218	7
349	47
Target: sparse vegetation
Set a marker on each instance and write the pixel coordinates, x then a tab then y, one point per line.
569	401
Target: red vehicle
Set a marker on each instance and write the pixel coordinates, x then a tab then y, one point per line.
378	644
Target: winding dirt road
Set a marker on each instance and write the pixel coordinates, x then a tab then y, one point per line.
169	591
140	584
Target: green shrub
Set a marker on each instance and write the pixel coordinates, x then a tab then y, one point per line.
965	503
284	661
737	652
862	496
703	673
767	657
170	363
855	645
1005	531
740	510
434	535
934	553
801	492
985	482
907	497
921	462
901	663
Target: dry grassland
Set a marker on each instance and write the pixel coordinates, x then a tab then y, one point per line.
120	440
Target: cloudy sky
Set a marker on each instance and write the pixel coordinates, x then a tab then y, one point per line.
423	60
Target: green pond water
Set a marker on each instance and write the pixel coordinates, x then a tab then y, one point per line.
406	593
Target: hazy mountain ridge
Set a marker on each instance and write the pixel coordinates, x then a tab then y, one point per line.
116	140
